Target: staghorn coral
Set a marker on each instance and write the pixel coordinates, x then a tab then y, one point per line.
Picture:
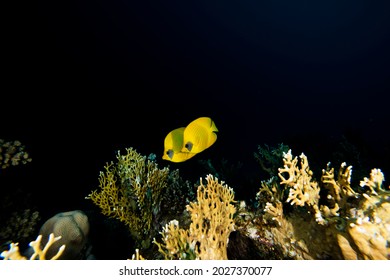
326	218
211	224
38	252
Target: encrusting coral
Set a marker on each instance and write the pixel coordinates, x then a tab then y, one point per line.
211	224
326	218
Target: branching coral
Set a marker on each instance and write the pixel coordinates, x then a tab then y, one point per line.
177	243
137	256
212	223
131	191
368	232
12	153
212	219
338	222
277	228
271	198
39	253
339	193
303	189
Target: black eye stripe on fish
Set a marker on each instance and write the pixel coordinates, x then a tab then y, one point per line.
173	144
189	146
199	134
183	143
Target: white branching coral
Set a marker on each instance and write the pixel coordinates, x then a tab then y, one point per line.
303	189
374	183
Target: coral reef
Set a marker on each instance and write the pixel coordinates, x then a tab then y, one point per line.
270	158
296	213
211	224
39	253
137	256
20	225
326	218
12	153
133	189
18	214
73	227
368	234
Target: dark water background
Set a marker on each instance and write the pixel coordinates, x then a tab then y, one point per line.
83	79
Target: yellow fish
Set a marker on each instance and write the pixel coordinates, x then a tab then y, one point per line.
199	135
173	144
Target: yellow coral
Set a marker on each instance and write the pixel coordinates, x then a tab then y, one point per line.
137	256
40	254
212	223
177	242
339	191
303	190
368	233
374	183
131	191
343	224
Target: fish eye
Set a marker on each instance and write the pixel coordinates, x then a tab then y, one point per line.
170	153
188	146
